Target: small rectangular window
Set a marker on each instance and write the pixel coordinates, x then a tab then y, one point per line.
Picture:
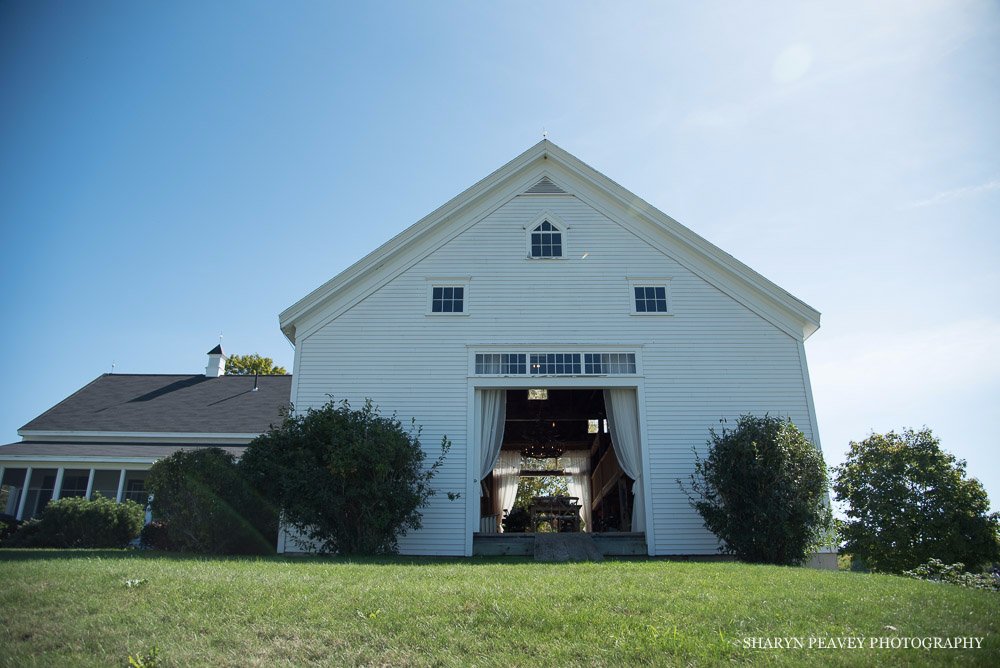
650	299
448	299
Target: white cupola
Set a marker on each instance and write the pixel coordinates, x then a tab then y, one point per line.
216	362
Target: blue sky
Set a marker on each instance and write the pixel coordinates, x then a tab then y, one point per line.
172	170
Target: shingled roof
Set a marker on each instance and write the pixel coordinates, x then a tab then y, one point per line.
170	403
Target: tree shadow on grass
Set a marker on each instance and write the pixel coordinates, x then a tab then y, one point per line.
43	554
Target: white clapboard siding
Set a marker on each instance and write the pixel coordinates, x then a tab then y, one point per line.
713	358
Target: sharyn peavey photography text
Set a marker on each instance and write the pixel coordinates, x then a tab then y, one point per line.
861	642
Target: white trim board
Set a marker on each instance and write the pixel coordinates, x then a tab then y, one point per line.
132	436
48	459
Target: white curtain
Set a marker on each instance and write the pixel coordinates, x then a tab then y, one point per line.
576	465
622	408
506	478
492	415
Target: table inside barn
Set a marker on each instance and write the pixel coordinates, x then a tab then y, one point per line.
562	512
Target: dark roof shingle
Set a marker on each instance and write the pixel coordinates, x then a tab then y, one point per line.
170	403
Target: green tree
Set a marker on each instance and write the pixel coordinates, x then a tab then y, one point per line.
544	485
762	489
248	365
353	481
910	502
208	506
531	486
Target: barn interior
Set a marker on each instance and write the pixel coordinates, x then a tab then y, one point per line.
560	440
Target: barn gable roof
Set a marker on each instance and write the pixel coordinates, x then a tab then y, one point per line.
541	168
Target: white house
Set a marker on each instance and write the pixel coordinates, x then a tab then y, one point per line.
548	276
103	438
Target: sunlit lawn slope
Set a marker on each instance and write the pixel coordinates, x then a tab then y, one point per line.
76	608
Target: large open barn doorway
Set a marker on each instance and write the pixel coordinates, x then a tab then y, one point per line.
567	461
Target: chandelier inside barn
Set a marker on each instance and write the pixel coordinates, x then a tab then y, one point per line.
543	441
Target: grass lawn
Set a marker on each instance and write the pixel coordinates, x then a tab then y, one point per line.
75	608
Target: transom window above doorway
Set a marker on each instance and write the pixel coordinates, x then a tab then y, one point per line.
611	364
502	364
555	364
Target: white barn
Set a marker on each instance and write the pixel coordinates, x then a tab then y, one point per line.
547	275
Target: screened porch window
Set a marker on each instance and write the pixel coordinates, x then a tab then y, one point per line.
74	483
105	484
135	487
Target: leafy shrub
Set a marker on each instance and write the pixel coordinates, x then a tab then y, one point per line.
208	506
25	536
910	502
762	490
936	570
77	522
8	525
155	536
351	480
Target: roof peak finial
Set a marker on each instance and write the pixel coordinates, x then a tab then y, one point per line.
545	133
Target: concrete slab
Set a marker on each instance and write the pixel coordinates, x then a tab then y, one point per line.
566	547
